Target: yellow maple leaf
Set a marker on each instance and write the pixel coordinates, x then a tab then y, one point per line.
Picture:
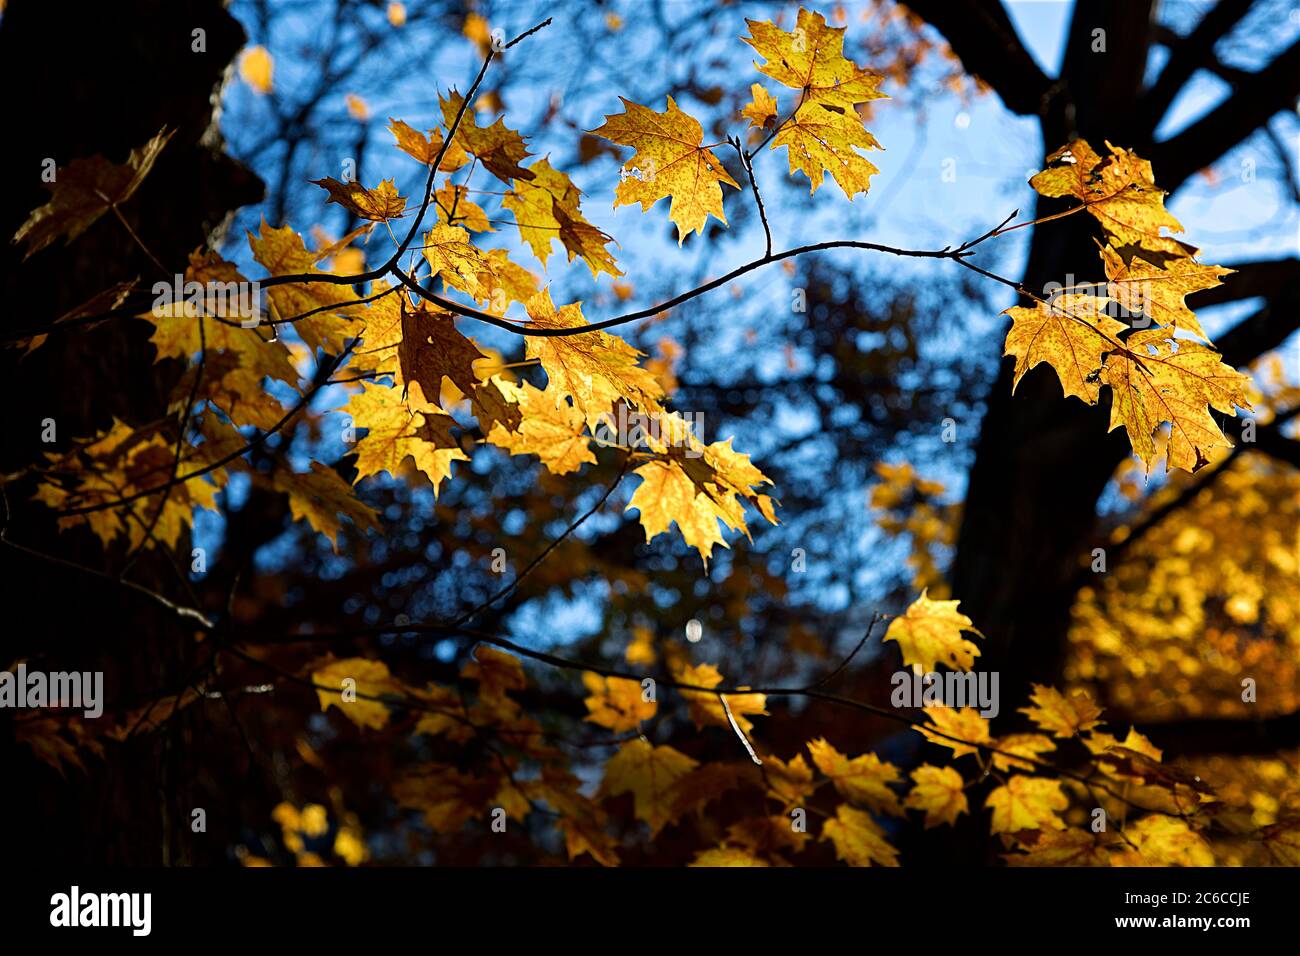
551	430
825	130
548	207
1027	803
83	191
939	792
790	782
380	204
810	58
320	496
670	160
707	783
1099	743
863	780
931	631
281	251
451	255
820	140
448	797
1069	847
858	839
1157	379
1071	332
707	709
425	146
727	856
648	773
696	488
761	111
1158	291
454	206
498	148
1060	715
1160	840
1018	750
1119	191
433	349
582	821
396	431
350	685
966	725
595	368
616	703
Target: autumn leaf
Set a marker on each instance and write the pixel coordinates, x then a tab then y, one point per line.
1159	840
496	672
810	59
930	632
454	206
498	148
397	431
281	251
447	797
121	462
451	255
697	491
1027	803
616	703
320	496
1158	291
727	856
1017	751
863	780
707	710
648	773
552	430
707	783
771	835
1157	379
351	684
966	725
825	130
670	160
790	782
1071	332
858	839
381	204
432	348
1069	847
821	140
83	191
595	368
1060	715
761	111
939	792
426	146
547	207
1119	191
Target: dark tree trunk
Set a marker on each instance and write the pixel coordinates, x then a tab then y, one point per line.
103	79
1043	460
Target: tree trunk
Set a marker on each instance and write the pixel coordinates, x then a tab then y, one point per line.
103	79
